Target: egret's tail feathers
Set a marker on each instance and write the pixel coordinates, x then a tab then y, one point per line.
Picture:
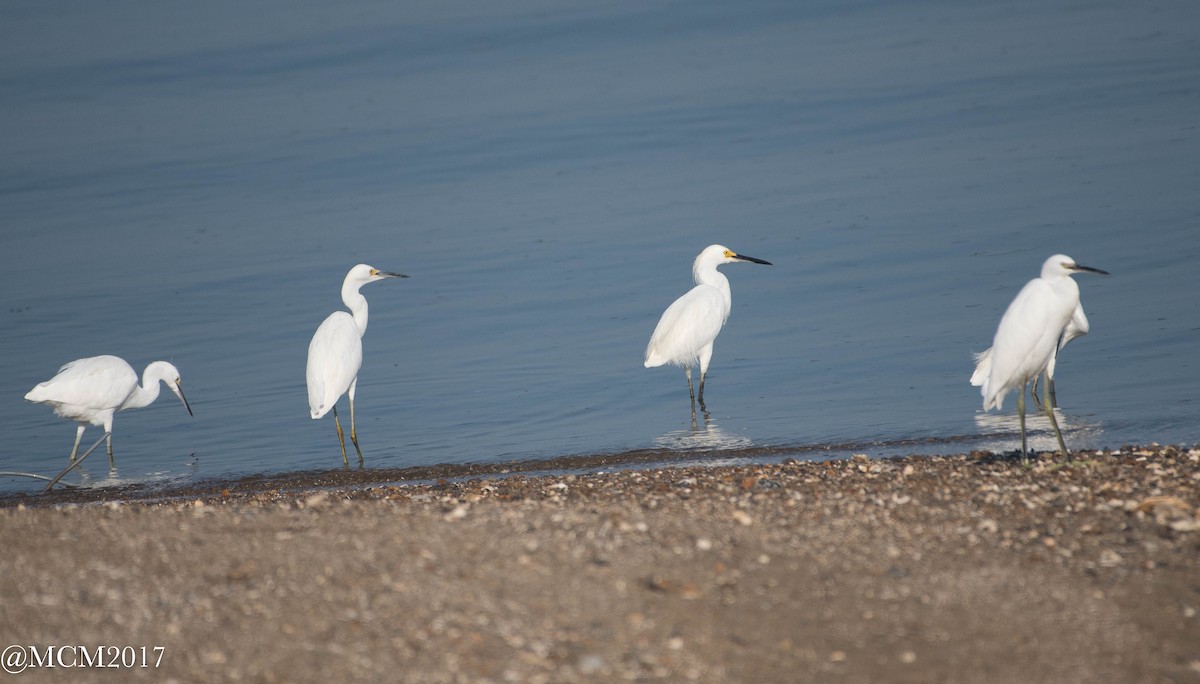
37	393
656	356
316	407
653	358
992	400
983	367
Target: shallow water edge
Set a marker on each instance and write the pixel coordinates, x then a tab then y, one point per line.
350	479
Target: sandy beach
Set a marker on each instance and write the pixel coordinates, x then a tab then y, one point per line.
960	568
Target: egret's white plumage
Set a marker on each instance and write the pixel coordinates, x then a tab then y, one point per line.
1078	326
685	332
1030	334
91	390
335	353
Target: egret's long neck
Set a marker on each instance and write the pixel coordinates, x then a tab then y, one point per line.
707	274
1070	291
145	394
357	305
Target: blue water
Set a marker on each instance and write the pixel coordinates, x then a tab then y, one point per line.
191	181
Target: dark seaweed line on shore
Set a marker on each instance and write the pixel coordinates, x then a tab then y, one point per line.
636	459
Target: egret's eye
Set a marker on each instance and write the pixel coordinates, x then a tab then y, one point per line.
729	254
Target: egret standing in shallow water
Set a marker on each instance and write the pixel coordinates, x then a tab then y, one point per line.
685	333
91	390
335	353
1029	336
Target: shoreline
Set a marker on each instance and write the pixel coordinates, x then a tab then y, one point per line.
300	481
926	568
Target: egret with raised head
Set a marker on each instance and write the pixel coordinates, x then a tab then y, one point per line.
1029	336
685	332
335	353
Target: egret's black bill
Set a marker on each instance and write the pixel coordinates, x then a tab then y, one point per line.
1089	269
182	398
392	275
743	257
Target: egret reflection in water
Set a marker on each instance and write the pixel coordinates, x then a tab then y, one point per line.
1002	431
703	435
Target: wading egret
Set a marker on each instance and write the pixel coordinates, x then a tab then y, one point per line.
1029	336
685	333
1077	327
335	353
91	390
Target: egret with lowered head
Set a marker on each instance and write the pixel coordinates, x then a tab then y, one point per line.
1029	336
335	353
91	390
685	332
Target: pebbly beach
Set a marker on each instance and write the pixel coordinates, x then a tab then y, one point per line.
967	568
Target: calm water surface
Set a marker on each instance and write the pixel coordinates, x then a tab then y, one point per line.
181	185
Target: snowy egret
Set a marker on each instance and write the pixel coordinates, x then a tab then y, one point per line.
1077	327
335	353
685	333
1029	335
91	390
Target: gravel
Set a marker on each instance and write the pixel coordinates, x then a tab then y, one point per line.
965	568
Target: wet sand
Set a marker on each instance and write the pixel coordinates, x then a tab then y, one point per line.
964	568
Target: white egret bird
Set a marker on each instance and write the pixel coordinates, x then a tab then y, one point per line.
685	333
335	353
1029	336
1077	327
91	390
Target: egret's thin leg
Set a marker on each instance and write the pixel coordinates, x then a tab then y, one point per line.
354	433
1049	373
1033	394
1062	446
73	466
78	436
341	437
108	421
691	395
1021	413
704	357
